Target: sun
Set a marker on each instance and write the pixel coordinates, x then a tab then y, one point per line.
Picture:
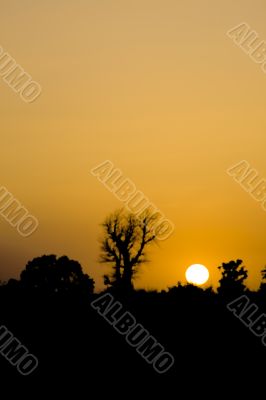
197	274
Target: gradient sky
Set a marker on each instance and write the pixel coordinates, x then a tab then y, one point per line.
160	90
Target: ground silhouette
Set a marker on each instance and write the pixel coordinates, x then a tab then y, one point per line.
49	310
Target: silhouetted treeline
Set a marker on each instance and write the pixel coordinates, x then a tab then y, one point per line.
49	310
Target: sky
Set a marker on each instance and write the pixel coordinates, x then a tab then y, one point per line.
160	90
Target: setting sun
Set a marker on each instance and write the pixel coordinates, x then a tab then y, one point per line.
197	274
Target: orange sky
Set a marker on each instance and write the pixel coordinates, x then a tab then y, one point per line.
160	90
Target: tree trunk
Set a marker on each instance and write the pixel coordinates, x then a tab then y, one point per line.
127	278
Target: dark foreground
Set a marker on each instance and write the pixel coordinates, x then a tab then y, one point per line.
82	355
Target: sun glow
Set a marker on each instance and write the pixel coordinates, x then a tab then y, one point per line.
197	274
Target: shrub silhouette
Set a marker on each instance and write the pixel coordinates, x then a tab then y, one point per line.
233	277
49	274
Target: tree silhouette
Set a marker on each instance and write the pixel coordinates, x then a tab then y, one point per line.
125	240
263	281
192	323
49	274
233	277
263	274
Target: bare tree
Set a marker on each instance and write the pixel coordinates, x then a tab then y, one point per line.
124	246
